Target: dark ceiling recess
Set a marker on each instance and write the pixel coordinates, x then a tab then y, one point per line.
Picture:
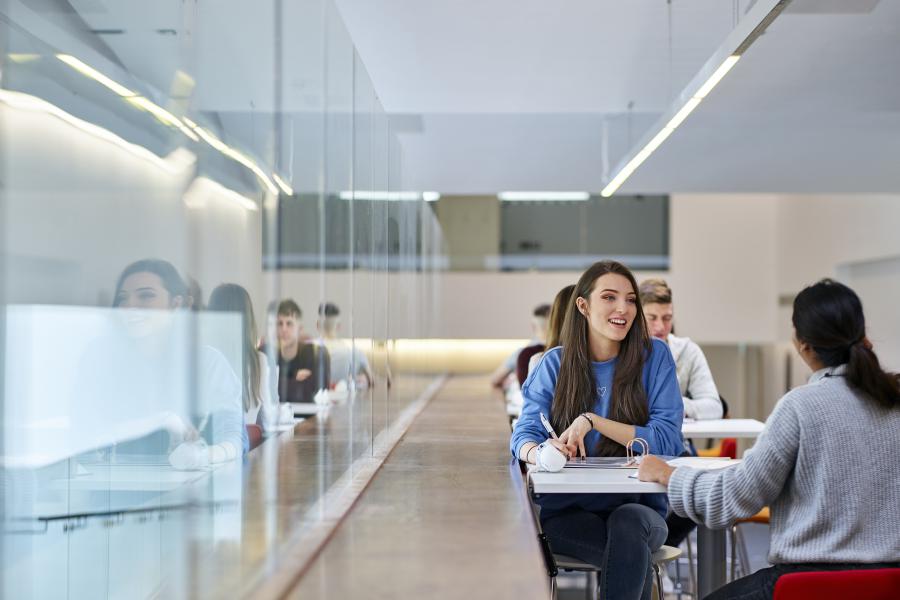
108	31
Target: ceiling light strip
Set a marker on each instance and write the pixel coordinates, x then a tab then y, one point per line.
377	195
543	196
186	126
745	33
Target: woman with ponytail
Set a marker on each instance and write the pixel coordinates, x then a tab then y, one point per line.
607	384
826	463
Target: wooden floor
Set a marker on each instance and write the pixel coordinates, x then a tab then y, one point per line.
442	518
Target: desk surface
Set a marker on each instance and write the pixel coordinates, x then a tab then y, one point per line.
717	428
606	481
592	481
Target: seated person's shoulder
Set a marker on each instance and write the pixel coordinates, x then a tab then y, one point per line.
659	350
553	355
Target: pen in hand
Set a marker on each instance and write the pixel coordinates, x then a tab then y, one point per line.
552	433
548	427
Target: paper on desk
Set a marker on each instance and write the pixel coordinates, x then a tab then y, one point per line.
696	462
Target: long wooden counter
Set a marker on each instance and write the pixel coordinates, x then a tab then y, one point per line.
442	518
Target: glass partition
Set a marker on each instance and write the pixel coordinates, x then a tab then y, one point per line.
206	259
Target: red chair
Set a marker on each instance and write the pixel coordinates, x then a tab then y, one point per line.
729	448
865	584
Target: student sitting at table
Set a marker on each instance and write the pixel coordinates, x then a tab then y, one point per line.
156	289
609	384
554	332
825	463
501	375
303	368
259	406
698	390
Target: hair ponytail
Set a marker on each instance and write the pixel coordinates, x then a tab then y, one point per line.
864	372
829	317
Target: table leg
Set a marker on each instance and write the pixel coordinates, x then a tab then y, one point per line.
710	560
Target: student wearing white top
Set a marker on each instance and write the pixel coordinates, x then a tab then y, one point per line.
698	390
155	286
259	406
701	398
347	361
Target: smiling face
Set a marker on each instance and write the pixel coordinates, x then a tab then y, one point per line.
146	290
610	309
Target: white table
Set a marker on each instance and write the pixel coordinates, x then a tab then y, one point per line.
723	428
592	481
710	542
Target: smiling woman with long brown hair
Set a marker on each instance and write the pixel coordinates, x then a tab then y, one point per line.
608	384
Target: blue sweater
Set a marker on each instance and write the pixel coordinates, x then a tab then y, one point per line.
662	431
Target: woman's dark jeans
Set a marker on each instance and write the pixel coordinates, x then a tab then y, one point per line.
619	543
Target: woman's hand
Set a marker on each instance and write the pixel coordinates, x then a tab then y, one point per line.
568	450
574	435
303	374
655	470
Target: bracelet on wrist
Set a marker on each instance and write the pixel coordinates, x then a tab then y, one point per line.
528	454
589	420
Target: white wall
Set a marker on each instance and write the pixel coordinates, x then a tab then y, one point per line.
723	255
852	238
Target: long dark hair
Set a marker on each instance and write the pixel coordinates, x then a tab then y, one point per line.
829	317
576	388
558	316
168	274
231	297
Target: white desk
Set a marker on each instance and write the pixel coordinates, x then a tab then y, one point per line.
722	428
592	481
710	542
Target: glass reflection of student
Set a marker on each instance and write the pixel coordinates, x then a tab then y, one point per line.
156	287
347	361
259	407
303	368
826	463
608	384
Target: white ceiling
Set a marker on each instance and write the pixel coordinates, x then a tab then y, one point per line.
532	56
535	94
514	94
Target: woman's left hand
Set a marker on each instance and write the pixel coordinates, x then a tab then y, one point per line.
574	434
655	469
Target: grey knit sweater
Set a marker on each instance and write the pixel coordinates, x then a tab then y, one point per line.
826	463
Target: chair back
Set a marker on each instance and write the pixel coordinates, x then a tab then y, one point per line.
728	448
863	584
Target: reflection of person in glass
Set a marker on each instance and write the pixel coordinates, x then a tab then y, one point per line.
259	407
155	287
347	361
303	368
